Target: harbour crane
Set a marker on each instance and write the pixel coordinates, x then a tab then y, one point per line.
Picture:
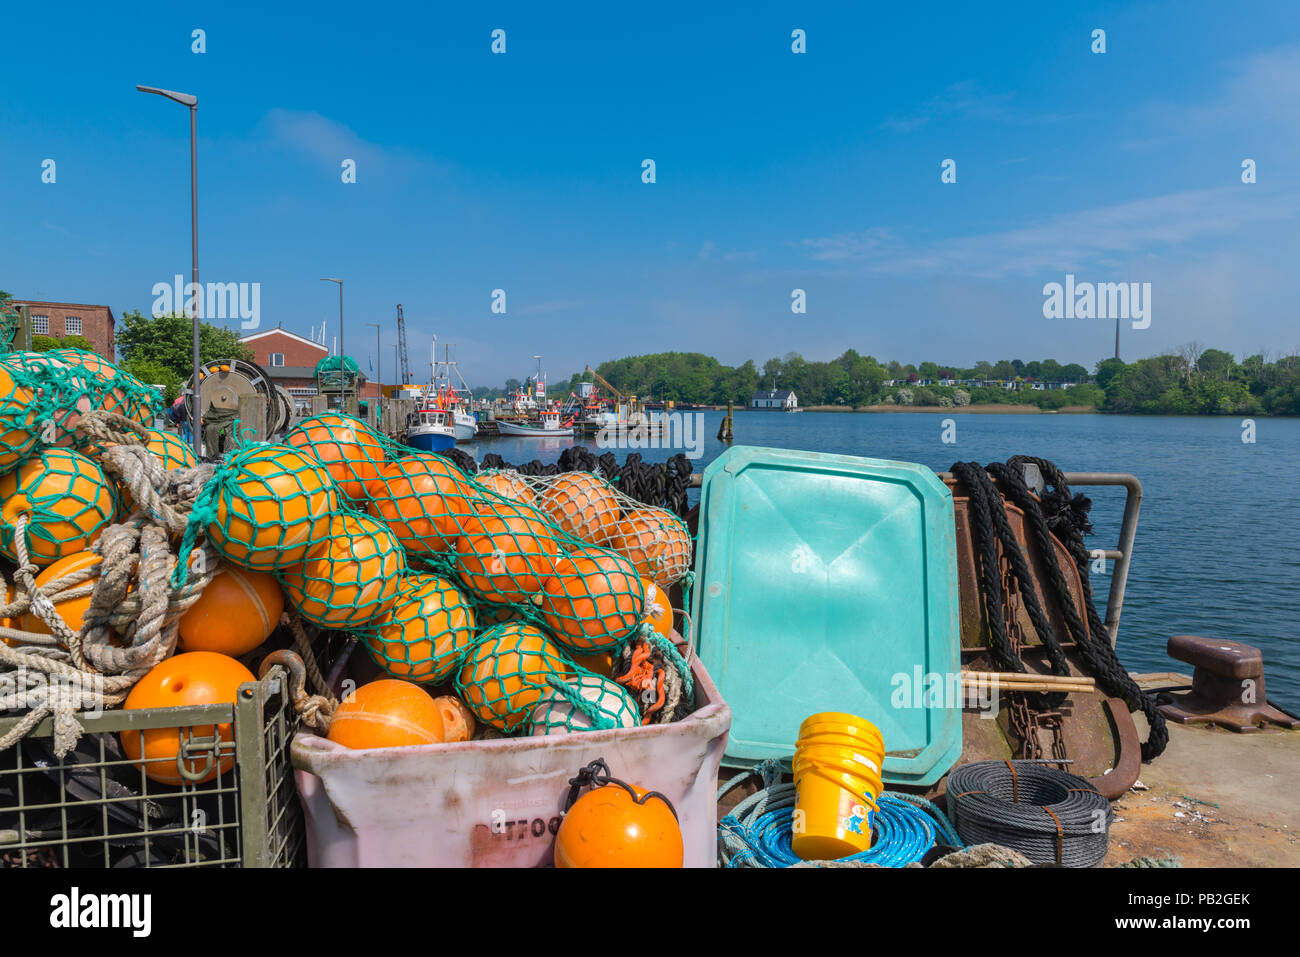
403	364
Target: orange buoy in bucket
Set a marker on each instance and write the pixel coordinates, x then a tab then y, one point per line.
658	612
837	767
617	824
387	714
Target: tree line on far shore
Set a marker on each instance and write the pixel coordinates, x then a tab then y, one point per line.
1191	380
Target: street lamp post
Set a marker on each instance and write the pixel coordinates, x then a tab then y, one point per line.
343	372
188	100
379	364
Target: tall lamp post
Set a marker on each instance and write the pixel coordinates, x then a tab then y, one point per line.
379	366
188	100
343	372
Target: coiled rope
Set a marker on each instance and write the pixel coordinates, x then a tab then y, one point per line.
133	600
1057	512
1048	815
758	832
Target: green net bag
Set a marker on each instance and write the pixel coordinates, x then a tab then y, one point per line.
113	389
267	507
583	703
18	430
349	449
584	505
61	395
508	671
66	499
351	578
426	633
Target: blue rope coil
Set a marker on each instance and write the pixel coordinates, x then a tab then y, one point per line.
759	831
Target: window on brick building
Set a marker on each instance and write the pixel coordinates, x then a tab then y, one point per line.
72	325
40	325
277	358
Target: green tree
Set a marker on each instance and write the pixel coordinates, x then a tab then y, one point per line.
167	340
155	373
1107	370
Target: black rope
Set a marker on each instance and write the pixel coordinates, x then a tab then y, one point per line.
1047	815
1059	512
597	775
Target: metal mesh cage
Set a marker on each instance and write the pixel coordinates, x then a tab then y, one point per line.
97	808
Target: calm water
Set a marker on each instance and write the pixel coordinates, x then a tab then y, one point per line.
1214	553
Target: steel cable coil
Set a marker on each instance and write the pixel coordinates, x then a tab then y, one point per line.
1047	815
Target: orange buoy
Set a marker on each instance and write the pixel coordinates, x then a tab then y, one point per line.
272	508
199	677
348	449
71	610
423	499
457	720
112	389
658	612
509	485
236	612
581	504
387	714
506	673
18	430
593	601
351	578
610	827
655	541
66	498
423	636
506	553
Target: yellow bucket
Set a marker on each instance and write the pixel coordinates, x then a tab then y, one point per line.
837	767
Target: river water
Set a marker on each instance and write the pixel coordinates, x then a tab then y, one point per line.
1214	553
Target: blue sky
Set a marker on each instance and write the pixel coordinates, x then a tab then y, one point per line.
775	171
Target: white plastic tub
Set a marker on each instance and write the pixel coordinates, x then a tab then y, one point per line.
498	803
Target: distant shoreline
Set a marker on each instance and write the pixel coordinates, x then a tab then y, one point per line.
994	408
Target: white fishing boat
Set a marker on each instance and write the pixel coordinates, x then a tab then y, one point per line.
550	427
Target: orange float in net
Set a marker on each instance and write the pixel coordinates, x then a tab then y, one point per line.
425	634
506	552
581	504
508	485
351	578
506	673
71	610
348	449
423	499
67	501
18	429
655	541
593	600
273	506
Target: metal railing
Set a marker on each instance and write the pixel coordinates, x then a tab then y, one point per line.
1121	555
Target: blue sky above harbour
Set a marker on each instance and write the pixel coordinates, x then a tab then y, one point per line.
775	171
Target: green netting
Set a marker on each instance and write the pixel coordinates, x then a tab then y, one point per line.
426	633
18	431
585	703
68	501
348	449
351	578
113	389
267	507
509	670
61	395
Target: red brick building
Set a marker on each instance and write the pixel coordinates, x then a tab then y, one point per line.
290	361
59	319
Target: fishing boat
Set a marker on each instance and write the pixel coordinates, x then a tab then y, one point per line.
431	429
550	427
